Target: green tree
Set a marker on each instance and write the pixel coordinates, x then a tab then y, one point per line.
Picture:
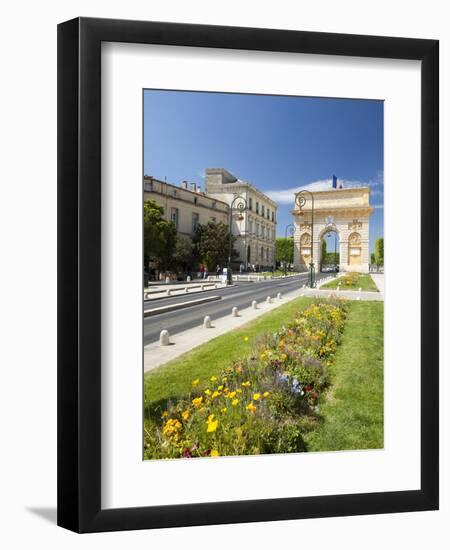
184	252
324	258
159	235
284	249
372	258
379	251
213	241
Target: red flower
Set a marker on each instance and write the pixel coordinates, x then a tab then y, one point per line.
308	387
186	453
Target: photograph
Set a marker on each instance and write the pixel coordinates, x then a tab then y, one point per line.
263	274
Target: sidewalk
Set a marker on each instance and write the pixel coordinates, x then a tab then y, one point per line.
176	289
378	279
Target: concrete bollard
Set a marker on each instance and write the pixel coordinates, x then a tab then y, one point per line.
202	287
164	338
146	296
359	289
216	286
269	300
338	288
279	295
168	292
207	322
235	312
188	279
304	286
167	280
359	298
186	289
254	304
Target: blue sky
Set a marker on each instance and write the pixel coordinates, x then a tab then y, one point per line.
280	144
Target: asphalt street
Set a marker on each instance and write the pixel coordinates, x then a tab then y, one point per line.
239	294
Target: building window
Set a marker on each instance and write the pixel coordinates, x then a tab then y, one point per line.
257	229
268	213
213	205
148	186
213	219
257	207
263	231
174	216
273	216
174	193
250	203
195	221
267	254
262	210
250	226
195	200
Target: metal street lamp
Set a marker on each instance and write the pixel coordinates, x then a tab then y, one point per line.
291	230
300	201
241	206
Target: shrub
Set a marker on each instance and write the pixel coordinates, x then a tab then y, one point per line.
262	403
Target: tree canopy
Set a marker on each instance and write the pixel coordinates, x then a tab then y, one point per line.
213	240
379	251
284	249
159	235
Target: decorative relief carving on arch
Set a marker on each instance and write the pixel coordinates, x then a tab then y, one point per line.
305	239
354	239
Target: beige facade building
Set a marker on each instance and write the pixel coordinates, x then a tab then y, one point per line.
345	211
186	206
255	227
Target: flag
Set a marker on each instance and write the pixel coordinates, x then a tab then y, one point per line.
334	182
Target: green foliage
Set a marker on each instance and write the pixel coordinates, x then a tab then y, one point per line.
353	281
213	241
262	402
159	235
379	251
372	258
184	254
284	249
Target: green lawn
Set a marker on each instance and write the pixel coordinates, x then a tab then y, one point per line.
353	406
174	379
363	281
352	409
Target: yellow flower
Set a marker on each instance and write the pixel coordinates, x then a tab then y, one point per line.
196	382
246	384
256	396
245	338
197	401
283	357
208	391
220	388
235	402
224	410
239	390
214	452
216	394
251	408
212	426
232	394
266	394
165	414
210	418
213	378
224	379
185	415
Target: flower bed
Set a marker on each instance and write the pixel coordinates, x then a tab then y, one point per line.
262	403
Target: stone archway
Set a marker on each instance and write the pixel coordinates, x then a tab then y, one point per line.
346	211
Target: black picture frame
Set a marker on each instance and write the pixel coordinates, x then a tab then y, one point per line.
79	274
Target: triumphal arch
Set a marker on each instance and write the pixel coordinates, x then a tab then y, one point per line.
345	211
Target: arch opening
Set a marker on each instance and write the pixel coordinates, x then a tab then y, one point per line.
329	251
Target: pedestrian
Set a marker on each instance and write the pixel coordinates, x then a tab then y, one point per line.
241	268
202	271
206	272
218	270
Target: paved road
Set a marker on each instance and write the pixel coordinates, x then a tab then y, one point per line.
240	295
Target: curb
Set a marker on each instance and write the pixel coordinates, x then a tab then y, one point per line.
177	290
183	305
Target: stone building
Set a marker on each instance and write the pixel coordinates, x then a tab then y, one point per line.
347	212
186	206
255	227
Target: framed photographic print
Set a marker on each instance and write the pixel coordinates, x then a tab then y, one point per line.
248	274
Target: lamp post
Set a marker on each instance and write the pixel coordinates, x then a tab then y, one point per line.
240	207
291	230
300	201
